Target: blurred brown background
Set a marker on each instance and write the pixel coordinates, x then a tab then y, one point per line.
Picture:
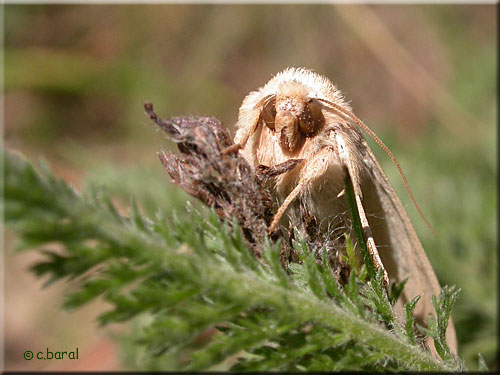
422	76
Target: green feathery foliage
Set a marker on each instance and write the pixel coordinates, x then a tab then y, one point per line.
197	297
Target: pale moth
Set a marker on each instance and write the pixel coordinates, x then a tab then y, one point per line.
299	114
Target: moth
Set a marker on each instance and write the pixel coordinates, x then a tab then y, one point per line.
301	115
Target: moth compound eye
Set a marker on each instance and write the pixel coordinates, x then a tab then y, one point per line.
311	120
269	113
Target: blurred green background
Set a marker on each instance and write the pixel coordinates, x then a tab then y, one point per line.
422	76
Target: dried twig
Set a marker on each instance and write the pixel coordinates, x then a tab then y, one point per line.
222	181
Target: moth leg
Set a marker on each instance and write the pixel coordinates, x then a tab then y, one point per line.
315	163
243	140
247	132
346	158
233	148
268	172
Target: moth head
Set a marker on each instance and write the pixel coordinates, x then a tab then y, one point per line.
292	114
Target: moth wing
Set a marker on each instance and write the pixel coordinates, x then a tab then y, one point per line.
399	247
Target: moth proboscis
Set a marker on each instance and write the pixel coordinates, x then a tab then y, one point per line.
300	115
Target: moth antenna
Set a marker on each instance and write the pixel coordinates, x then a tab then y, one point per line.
362	125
